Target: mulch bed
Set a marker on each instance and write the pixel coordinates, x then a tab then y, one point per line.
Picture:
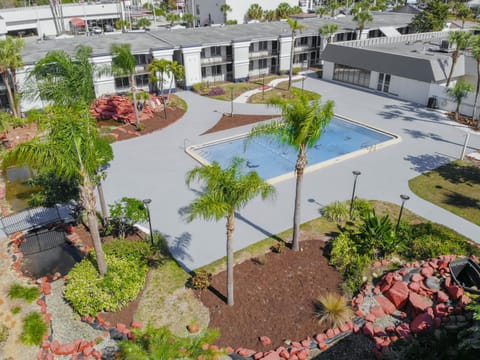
274	297
229	122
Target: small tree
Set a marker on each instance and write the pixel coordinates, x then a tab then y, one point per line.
294	27
458	93
432	18
225	9
143	23
10	61
462	12
362	16
124	214
328	30
157	69
189	18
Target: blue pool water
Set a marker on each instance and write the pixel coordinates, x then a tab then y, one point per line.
271	159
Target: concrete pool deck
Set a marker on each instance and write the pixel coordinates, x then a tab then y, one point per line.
154	166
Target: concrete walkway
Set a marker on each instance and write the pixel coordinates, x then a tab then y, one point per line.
154	166
247	94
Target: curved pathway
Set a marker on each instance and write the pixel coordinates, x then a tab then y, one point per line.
154	166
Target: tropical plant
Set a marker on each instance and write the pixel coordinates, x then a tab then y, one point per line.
328	30
10	61
432	18
458	93
462	12
270	15
201	280
231	22
333	5
336	211
153	344
226	191
124	214
123	64
255	12
27	293
172	18
225	9
295	27
376	235
321	11
176	72
143	23
52	189
283	10
71	149
158	69
122	25
475	50
63	80
301	126
362	16
333	310
461	40
189	18
34	327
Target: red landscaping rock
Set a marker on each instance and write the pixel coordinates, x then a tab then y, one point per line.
322	346
421	322
97	355
293	357
390	329
416	278
296	344
403	330
359	313
306	343
414	286
87	351
284	354
245	352
379	332
398	294
427	271
418	302
377	311
336	331
448	281
193	328
465	300
330	333
358	299
45	345
368	330
136	324
344	327
265	340
403	272
258	355
370	317
376	290
294	350
320	338
455	291
387	305
303	354
442	297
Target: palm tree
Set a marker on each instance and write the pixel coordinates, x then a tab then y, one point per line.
157	69
328	30
294	26
172	18
255	12
225	8
10	61
333	6
143	23
461	40
226	191
320	11
361	16
283	10
458	93
177	72
189	18
71	149
475	50
123	64
63	80
301	126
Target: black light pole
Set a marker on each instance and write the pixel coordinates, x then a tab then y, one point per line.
263	86
355	173
231	101
147	203
303	79
404	198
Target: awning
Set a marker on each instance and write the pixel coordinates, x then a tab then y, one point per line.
389	31
77	22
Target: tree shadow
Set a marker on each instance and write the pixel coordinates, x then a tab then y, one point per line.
462	201
455	173
400	111
178	248
427	162
255	226
321	206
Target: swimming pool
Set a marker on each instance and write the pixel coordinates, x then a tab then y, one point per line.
340	140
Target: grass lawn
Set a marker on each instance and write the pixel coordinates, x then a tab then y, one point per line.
280	91
454	187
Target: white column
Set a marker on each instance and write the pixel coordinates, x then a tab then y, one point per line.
104	83
240	60
285	43
192	64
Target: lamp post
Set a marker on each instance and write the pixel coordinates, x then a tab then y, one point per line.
404	198
147	203
263	86
355	173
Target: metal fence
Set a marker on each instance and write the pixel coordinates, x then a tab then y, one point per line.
42	240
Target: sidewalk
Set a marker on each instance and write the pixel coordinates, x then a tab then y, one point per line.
246	95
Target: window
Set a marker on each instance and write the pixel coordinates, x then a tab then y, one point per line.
217	70
122	83
251	65
204	72
141	80
262	64
251	48
142	59
304	41
263	45
216	51
202	54
383	83
351	75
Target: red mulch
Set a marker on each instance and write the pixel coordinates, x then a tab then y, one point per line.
228	122
275	298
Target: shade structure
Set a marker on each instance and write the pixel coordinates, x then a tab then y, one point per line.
77	22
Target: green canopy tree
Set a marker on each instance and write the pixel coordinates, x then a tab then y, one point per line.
10	61
432	18
458	93
71	149
255	12
123	64
62	79
461	41
295	27
301	126
226	191
225	9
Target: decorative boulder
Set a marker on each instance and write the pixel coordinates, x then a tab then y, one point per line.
398	294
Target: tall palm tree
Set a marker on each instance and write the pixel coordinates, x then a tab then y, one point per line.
71	149
177	72
362	16
294	27
157	69
328	30
123	64
226	191
255	12
63	80
475	50
283	10
10	61
225	9
301	126
461	40
458	93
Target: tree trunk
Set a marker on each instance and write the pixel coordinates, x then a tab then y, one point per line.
11	99
230	229
290	73
454	61
474	114
103	204
87	198
134	95
299	169
15	92
457	110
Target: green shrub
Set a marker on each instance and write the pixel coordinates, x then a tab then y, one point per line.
200	280
337	211
15	310
201	88
296	70
152	343
34	327
89	293
136	251
3	333
361	207
124	214
27	293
